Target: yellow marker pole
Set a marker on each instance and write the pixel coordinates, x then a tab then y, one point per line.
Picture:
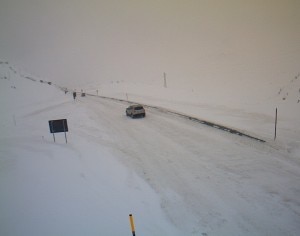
132	224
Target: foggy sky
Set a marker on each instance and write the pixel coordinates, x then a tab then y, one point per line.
196	42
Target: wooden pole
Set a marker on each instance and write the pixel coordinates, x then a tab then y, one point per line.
132	224
275	124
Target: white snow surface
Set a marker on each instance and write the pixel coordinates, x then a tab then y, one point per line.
175	176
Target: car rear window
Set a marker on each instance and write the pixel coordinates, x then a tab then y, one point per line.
138	108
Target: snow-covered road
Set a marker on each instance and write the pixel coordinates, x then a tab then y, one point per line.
208	180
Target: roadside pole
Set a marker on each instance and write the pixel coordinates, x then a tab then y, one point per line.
275	124
132	224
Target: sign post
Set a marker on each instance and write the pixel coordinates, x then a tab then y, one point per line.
58	126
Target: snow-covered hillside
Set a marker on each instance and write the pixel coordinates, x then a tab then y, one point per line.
175	176
48	188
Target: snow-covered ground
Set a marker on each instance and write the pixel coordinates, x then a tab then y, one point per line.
175	176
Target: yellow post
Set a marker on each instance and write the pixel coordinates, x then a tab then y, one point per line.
132	224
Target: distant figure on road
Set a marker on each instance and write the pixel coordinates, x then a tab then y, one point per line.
74	95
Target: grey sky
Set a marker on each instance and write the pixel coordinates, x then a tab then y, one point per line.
75	42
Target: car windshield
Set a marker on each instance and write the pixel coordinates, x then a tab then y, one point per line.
138	108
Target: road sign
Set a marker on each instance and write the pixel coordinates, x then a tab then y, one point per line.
58	126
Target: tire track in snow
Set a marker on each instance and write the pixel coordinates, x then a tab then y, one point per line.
185	116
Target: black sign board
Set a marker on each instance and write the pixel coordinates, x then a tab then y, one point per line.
58	126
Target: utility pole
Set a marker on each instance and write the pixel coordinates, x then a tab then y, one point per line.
165	80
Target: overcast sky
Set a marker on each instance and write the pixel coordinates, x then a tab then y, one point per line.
76	42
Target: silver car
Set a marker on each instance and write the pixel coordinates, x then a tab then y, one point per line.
135	111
